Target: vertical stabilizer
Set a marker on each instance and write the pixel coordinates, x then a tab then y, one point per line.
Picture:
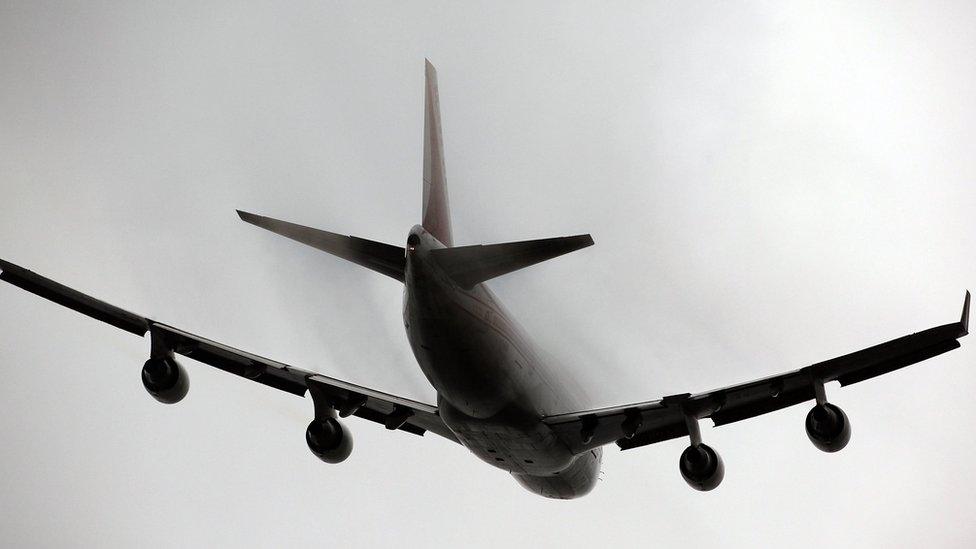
437	210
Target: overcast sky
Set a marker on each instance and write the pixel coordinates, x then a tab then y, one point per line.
768	184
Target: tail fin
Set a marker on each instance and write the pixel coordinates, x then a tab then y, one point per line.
382	258
437	209
470	265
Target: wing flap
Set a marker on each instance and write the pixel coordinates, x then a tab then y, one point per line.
378	406
241	363
344	389
898	362
892	355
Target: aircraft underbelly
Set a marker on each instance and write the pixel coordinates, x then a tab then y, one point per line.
492	392
473	360
511	440
575	481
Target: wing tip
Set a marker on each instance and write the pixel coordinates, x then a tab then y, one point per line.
964	321
8	270
248	217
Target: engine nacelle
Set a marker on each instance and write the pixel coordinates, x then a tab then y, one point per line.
165	379
828	427
701	467
329	440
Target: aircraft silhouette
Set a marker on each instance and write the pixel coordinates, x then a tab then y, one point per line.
493	396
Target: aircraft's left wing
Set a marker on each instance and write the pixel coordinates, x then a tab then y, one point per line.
349	399
653	421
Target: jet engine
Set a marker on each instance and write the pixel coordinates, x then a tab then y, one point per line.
701	467
329	440
165	379
828	427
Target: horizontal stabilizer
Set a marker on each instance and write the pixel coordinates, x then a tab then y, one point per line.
470	265
377	256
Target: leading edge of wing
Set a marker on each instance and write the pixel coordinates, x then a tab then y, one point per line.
643	423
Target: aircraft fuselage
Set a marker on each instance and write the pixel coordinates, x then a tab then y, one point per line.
493	389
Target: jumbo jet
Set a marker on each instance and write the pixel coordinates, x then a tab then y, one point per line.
495	396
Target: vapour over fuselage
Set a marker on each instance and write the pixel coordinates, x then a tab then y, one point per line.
492	386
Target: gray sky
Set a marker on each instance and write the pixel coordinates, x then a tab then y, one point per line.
768	184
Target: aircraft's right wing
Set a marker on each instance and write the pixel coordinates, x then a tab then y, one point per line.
348	399
644	423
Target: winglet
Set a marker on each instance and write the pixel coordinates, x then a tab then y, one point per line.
965	314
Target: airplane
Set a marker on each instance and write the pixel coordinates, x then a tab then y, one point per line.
494	397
